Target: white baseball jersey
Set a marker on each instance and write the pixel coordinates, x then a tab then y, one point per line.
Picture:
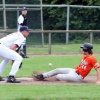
20	19
14	38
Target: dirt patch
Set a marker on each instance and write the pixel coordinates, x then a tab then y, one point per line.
52	81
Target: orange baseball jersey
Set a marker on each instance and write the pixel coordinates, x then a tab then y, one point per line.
87	63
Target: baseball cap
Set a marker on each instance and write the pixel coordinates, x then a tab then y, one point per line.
24	8
24	28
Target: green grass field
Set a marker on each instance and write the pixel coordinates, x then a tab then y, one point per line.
60	49
51	92
48	92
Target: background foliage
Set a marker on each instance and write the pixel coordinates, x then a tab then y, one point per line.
80	19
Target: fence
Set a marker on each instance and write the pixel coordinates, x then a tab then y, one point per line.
10	13
50	32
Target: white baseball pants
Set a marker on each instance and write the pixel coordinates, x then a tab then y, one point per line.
64	74
7	54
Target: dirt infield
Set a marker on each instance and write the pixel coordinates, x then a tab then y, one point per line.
52	81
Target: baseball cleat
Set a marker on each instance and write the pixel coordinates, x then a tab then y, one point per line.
39	76
11	79
25	57
1	79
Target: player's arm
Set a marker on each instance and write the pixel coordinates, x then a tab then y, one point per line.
98	75
14	47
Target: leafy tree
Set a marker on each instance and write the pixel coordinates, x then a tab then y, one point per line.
22	1
80	18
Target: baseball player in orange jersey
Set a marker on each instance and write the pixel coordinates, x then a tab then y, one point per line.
8	45
80	72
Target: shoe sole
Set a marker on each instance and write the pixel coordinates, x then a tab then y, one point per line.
13	81
2	80
36	78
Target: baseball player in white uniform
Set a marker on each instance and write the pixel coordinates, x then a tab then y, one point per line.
8	45
22	21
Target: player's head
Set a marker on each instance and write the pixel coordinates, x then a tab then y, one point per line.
87	47
24	30
24	10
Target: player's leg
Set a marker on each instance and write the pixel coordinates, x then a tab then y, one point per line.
23	50
3	65
15	66
56	72
7	53
72	76
53	72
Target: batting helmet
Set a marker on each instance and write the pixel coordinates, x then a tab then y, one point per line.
87	46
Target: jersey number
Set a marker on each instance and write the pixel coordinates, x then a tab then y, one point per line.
84	67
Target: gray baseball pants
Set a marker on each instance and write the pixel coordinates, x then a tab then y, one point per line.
64	74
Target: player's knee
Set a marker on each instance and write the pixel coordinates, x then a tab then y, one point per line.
58	77
19	58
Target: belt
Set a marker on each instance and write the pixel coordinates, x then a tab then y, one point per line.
79	74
